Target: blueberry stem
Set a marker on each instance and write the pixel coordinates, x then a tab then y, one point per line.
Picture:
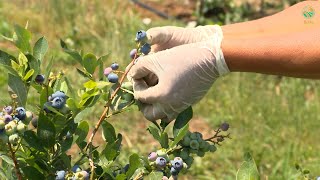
16	165
104	115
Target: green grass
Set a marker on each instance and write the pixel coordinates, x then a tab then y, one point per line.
279	130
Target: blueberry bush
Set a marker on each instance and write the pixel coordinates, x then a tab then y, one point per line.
35	144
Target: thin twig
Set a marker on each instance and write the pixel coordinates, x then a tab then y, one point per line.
16	165
104	115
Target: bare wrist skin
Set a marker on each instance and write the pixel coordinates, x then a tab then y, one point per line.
289	49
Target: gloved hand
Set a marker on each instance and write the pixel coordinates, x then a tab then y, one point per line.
180	74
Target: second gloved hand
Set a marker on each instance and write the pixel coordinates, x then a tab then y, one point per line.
183	74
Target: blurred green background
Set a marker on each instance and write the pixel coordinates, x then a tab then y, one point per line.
276	118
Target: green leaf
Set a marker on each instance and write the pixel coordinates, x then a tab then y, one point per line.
112	150
90	84
181	133
154	175
16	86
135	163
31	138
164	140
102	84
248	169
40	48
90	62
74	54
183	118
121	177
48	69
5	61
21	39
155	132
6	158
34	64
81	131
32	173
84	74
46	131
79	117
108	132
28	75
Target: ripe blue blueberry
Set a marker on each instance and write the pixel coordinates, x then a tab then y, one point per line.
39	79
152	156
58	102
126	168
57	94
161	162
20	113
76	168
60	175
107	71
7	118
224	126
114	66
113	78
8	109
68	135
134	53
174	171
177	164
141	35
145	49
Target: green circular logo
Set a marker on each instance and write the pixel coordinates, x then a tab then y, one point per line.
308	12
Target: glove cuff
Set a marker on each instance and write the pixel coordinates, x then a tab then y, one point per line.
220	61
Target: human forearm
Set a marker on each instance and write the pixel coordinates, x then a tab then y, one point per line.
295	53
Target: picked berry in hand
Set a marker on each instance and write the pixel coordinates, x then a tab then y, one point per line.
145	49
113	78
114	66
134	53
224	126
39	79
141	35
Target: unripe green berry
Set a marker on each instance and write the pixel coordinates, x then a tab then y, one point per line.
29	117
199	135
21	128
206	147
184	154
202	144
193	136
194	144
201	153
162	153
186	141
14	139
193	151
212	148
2	124
10	128
189	161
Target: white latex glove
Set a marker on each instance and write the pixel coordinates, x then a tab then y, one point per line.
170	80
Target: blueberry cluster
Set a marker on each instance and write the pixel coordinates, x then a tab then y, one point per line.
13	123
193	143
76	173
160	161
144	47
56	100
108	72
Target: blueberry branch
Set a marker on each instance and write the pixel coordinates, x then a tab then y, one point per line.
105	115
16	165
